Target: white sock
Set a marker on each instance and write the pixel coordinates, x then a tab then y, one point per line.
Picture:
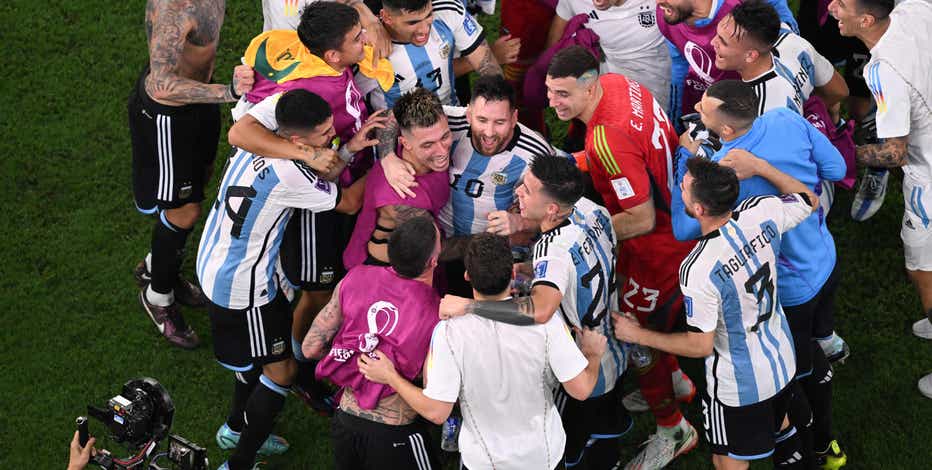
672	429
160	300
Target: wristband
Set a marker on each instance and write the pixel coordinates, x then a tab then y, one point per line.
346	155
233	92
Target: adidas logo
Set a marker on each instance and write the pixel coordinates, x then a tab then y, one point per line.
594	15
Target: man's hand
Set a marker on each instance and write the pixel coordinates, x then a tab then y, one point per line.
627	328
453	306
688	143
80	456
321	159
503	223
378	38
243	79
506	49
379	370
591	342
362	139
400	175
745	163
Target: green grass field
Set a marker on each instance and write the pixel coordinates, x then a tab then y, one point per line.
73	332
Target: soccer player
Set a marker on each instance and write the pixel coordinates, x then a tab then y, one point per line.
628	36
490	152
629	142
426	34
898	77
236	264
808	273
734	316
174	123
783	68
505	388
689	26
286	14
424	140
331	43
573	271
391	308
782	77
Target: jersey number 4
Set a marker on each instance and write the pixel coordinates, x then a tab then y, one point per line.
239	216
760	285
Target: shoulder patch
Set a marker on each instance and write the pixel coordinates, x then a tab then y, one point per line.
469	24
688	305
540	269
322	185
622	188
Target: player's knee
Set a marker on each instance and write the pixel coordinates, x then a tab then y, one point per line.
724	462
282	372
185	216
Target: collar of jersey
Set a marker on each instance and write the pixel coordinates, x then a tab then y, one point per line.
562	224
511	144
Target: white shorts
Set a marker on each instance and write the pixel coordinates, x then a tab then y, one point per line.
917	224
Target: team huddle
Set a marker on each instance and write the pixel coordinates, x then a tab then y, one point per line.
398	243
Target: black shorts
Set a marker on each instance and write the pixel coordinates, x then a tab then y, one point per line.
745	432
312	249
360	444
252	336
173	149
600	417
809	320
456	283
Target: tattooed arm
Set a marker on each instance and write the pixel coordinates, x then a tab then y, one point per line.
891	153
324	328
170	25
535	308
249	134
483	61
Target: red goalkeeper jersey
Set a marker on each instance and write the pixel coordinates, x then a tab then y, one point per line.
629	147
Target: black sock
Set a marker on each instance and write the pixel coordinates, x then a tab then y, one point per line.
818	389
305	376
243	387
789	452
168	242
603	453
263	407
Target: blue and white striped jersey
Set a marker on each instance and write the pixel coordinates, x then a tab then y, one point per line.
729	285
578	259
238	253
431	66
797	70
479	183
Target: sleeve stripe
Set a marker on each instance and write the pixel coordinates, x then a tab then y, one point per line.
305	171
603	151
449	5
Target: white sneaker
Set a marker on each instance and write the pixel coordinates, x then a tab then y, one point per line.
683	388
661	448
925	386
923	329
870	194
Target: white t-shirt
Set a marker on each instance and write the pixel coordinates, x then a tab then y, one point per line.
898	77
504	377
282	14
630	39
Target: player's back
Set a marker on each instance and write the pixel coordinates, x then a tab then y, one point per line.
507	388
578	259
239	246
729	283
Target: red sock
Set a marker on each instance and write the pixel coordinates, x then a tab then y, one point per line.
656	384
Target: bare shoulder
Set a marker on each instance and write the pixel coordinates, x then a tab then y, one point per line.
198	21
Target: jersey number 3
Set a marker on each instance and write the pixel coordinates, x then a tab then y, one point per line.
761	286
